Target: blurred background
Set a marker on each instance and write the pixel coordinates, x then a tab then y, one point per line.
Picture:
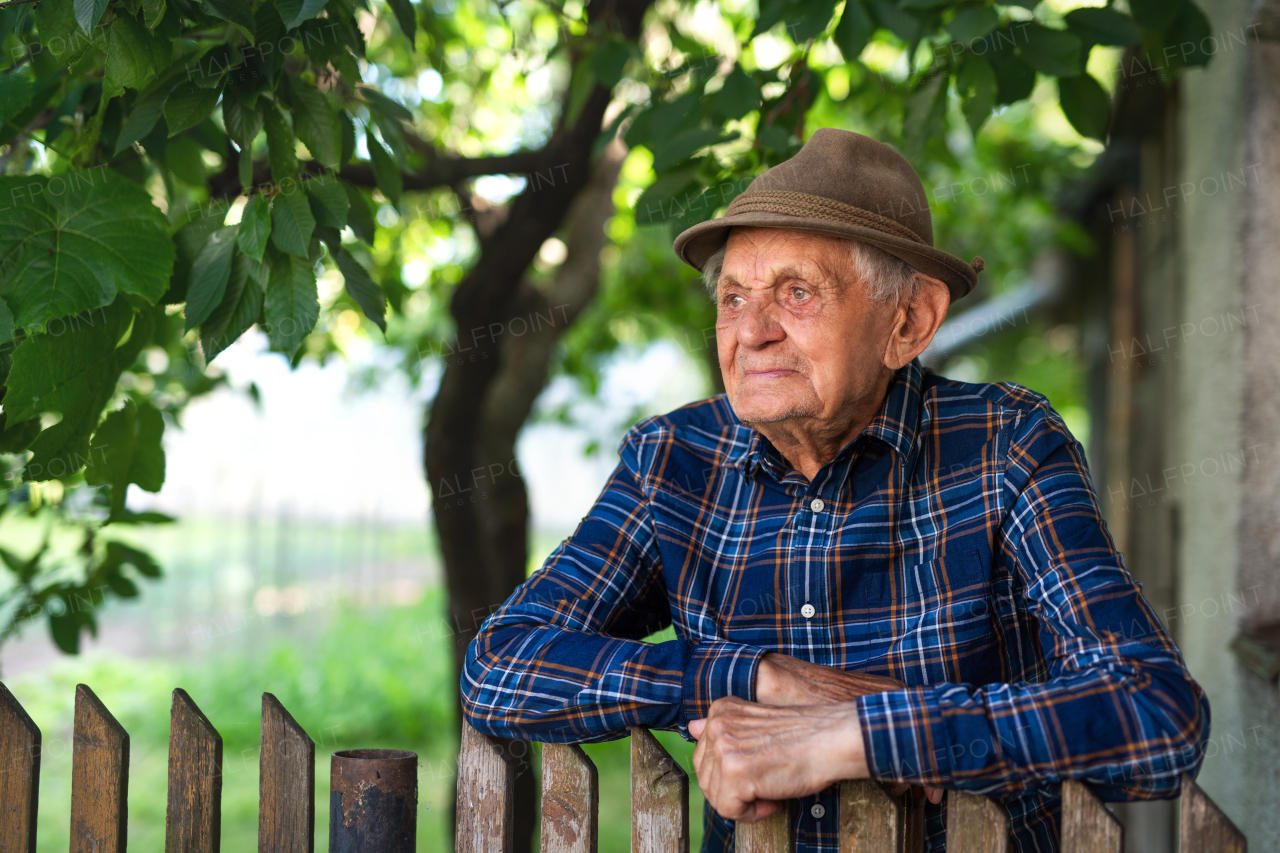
321	531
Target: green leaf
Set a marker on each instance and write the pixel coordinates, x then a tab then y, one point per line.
385	105
972	24
71	242
977	86
1014	77
209	276
88	13
294	12
268	29
348	136
291	305
6	323
329	203
255	227
1103	26
60	31
363	290
385	170
685	144
854	30
15	95
662	121
240	308
810	19
1086	105
902	24
241	119
65	630
133	55
120	554
926	112
292	223
403	10
281	145
359	216
189	241
316	123
187	106
1188	32
1052	52
1155	14
152	12
146	110
18	437
127	449
738	96
609	58
238	12
666	198
73	373
771	11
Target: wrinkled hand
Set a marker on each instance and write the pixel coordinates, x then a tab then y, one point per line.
784	680
750	756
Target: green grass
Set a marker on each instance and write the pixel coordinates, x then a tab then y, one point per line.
372	677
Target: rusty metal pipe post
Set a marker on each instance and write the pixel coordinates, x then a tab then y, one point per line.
373	801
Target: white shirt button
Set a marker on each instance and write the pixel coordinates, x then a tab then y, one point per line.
818	810
807	611
818	505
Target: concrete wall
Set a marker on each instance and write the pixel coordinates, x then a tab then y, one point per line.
1227	413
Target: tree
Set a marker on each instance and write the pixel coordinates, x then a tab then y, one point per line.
177	172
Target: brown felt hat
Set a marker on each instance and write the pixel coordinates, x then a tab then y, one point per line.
846	185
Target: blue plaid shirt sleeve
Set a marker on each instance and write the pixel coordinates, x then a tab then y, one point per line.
1115	707
563	660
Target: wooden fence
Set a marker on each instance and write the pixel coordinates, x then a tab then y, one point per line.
871	821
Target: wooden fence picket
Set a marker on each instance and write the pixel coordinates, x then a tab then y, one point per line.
976	824
486	787
19	777
1087	825
286	783
99	778
1203	826
570	800
659	798
193	822
873	821
774	834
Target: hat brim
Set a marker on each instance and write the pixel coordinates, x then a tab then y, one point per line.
701	241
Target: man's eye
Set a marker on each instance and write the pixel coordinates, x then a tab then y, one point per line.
799	294
733	300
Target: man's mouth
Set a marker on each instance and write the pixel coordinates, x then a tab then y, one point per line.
770	373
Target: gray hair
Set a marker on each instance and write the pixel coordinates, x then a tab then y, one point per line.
887	277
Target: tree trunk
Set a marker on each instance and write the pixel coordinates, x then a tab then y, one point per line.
506	332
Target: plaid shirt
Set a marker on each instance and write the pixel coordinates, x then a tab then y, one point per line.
956	545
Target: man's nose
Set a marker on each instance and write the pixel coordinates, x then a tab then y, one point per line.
759	325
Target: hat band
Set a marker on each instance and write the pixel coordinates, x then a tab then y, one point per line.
809	206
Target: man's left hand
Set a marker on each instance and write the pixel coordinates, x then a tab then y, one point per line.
751	756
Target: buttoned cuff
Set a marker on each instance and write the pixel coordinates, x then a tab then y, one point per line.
904	736
719	668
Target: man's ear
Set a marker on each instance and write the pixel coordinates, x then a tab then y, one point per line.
915	323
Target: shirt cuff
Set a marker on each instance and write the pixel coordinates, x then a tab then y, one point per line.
716	669
904	736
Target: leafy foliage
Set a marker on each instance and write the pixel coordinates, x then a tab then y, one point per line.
177	173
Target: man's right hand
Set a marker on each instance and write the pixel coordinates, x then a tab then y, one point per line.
784	680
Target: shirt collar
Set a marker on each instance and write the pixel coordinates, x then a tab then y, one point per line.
895	425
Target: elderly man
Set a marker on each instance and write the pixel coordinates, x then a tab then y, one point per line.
872	571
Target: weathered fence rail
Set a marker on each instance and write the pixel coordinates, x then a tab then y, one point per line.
871	820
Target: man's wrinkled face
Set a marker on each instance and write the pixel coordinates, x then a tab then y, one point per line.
798	337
